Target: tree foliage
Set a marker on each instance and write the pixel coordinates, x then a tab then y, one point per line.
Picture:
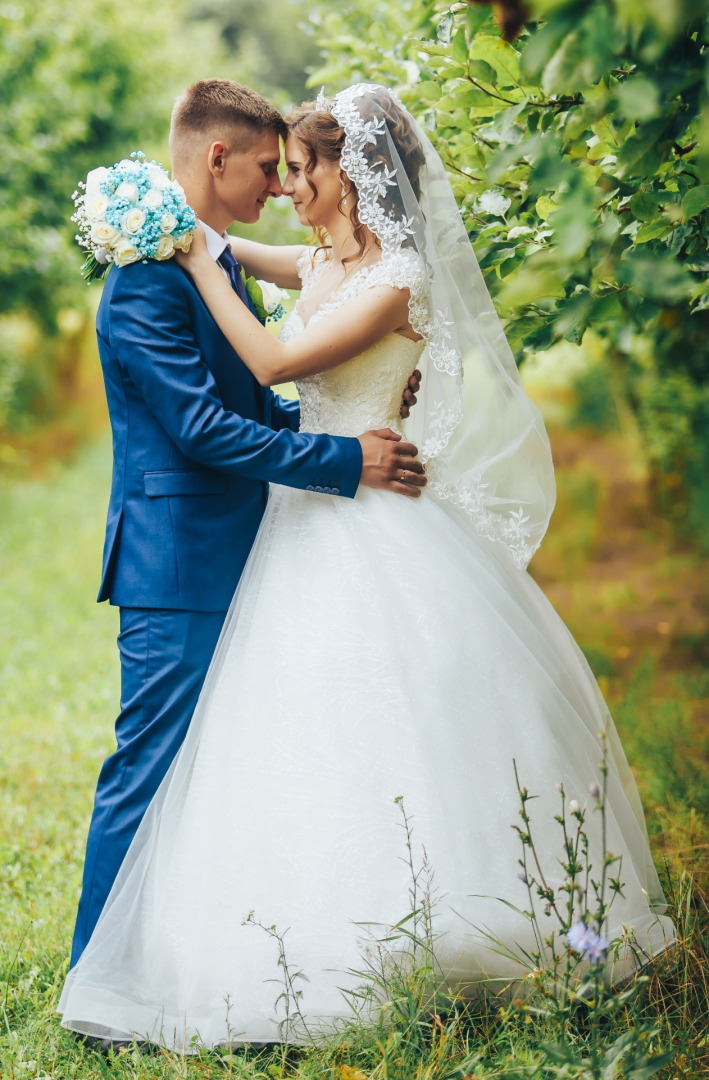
268	48
81	84
574	154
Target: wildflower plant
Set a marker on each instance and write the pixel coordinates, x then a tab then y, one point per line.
569	977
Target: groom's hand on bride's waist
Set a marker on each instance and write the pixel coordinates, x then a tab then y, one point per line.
389	462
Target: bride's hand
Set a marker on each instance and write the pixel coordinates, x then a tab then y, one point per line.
198	253
408	398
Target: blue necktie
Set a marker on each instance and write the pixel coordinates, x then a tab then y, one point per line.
227	261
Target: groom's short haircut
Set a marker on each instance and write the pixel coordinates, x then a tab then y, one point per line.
219	106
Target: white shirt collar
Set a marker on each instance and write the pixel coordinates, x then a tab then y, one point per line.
216	244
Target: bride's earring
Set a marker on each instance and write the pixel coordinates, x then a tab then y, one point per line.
343	194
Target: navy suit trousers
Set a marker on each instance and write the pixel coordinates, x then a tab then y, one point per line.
164	655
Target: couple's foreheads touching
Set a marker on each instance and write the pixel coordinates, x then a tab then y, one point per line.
225	151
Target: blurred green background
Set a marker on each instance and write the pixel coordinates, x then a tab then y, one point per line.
572	138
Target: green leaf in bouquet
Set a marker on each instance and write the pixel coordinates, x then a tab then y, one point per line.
93	270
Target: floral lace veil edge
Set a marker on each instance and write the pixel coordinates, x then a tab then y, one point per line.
483	441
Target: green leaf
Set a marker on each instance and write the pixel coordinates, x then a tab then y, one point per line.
255	295
530	284
542	43
500	56
644	206
479	69
429	91
638	98
658	278
640	154
476	17
696	200
653	230
644	1069
459	46
562	1054
545	206
572	221
470	97
573	318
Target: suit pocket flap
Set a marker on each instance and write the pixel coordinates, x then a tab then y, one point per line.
183	482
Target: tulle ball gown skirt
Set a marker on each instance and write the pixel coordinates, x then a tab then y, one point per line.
376	648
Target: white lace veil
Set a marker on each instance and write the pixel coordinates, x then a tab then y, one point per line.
483	441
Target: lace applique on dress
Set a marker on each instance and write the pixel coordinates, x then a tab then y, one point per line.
364	393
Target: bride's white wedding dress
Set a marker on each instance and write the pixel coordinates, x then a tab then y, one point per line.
376	647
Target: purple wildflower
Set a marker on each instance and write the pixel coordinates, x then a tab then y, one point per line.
587	942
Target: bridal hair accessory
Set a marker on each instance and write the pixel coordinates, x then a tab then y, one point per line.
129	212
322	102
483	441
343	196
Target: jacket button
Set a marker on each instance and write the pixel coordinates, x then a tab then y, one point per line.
318	488
309	487
327	491
335	491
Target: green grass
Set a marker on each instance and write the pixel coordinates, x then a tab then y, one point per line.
59	686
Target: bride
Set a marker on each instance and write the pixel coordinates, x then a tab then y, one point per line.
309	727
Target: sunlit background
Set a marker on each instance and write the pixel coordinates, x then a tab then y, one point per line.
574	151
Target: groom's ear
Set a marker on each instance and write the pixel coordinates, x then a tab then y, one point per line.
216	158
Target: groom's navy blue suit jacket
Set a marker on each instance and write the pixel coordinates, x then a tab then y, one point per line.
195	441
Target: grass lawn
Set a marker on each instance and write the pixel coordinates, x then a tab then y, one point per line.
634	598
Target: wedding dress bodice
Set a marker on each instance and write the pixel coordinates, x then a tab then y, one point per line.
364	393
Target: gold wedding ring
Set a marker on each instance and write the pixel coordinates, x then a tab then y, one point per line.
403	476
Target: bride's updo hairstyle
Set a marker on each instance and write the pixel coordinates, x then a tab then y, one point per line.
323	139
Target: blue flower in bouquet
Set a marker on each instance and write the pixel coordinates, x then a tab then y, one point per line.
129	212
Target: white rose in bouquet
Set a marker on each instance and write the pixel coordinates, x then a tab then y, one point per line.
127	191
158	178
96	206
103	233
95	179
152	199
133	221
183	243
165	249
168	222
125	252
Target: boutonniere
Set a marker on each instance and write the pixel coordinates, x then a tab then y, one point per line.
266	298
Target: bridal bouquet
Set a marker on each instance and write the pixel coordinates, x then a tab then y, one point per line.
130	212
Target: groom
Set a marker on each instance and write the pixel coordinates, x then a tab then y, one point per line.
196	441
